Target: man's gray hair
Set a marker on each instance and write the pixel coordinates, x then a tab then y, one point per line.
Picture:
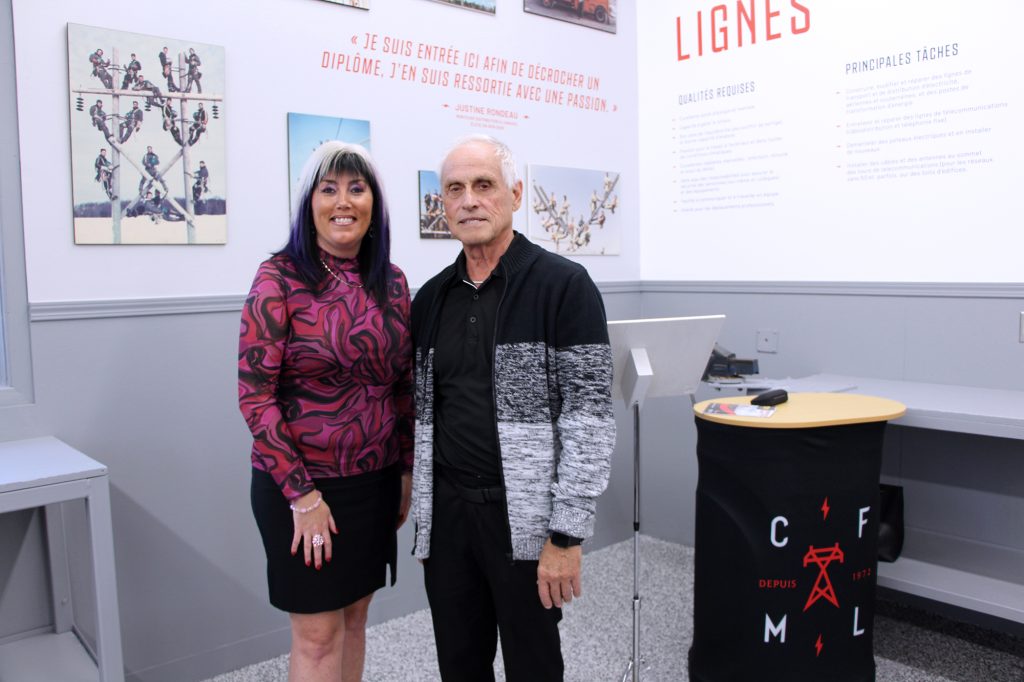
501	150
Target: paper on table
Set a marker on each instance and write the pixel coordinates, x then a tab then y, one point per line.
739	410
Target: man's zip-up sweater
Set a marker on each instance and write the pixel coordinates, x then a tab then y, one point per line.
552	389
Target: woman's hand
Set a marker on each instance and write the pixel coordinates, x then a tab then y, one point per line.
405	500
309	525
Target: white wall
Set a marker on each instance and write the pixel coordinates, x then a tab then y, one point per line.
156	393
867	141
274	51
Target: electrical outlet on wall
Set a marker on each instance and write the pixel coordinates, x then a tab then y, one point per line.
767	341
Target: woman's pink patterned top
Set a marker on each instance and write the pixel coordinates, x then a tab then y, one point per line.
325	375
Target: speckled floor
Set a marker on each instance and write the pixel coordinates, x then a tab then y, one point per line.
910	646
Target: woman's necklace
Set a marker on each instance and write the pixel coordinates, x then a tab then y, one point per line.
333	274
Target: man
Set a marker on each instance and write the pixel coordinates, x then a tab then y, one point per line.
514	428
194	75
99	119
175	132
143	206
158	207
131	72
132	122
150	162
199	187
198	126
102	164
168	113
99	68
156	98
167	70
103	170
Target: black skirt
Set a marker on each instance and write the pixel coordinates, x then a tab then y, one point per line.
365	509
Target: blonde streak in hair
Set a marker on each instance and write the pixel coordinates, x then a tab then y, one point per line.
346	148
311	170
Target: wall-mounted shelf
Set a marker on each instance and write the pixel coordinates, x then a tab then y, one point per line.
951	586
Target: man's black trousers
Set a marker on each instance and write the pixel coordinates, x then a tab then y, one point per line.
475	591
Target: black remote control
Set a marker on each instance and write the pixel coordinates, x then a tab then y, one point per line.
773	397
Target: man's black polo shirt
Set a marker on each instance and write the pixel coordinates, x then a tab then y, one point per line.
465	429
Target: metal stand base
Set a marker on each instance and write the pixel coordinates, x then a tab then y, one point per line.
632	673
636	662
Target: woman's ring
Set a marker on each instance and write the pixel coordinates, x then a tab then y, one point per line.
318	540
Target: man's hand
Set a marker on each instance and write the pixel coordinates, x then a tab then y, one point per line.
558	574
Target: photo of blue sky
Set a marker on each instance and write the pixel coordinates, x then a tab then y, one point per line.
306	132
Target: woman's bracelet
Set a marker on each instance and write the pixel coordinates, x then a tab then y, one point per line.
306	510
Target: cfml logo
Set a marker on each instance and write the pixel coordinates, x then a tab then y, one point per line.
822	589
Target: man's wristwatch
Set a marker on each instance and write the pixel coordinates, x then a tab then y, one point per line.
564	541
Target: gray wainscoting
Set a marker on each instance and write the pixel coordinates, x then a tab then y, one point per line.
148	388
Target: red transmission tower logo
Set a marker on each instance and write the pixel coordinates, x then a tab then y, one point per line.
823	585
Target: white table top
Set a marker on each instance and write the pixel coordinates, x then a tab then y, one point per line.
43	461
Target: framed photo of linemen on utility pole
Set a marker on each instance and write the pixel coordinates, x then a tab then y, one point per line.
433	222
147	138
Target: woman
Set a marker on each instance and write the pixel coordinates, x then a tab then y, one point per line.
325	385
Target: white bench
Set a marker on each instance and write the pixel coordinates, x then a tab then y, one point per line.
43	472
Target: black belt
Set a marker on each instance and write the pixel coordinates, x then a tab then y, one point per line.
480	495
468	493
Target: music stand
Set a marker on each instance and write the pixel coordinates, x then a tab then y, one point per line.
655	358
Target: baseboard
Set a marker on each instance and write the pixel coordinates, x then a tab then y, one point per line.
223	659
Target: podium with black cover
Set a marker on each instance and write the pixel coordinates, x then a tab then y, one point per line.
786	539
